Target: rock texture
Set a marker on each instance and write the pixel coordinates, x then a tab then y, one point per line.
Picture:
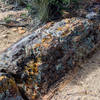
84	84
40	59
8	88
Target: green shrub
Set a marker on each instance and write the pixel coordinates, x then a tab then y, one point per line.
48	9
45	9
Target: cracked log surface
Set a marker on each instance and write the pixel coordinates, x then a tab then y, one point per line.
8	88
40	59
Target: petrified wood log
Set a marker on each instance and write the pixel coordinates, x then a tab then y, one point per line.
40	59
8	88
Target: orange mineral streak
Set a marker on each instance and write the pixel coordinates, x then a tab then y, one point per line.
48	25
67	21
66	33
37	46
64	28
32	70
46	41
2	77
8	83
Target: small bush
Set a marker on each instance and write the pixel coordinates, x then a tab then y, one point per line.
45	9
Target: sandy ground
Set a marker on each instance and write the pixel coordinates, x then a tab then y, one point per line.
9	36
5	14
84	85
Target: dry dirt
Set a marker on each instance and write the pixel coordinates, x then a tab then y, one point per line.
8	36
85	84
81	84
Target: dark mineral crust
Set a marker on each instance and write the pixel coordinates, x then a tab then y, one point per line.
43	57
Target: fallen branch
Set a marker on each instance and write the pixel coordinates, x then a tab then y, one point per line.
12	24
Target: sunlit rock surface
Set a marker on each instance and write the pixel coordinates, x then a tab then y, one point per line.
42	58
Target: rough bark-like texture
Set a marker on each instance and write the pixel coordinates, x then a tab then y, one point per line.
40	59
8	88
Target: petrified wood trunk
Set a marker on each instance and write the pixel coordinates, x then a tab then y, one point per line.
40	59
8	88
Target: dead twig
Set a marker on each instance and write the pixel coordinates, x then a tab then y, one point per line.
12	24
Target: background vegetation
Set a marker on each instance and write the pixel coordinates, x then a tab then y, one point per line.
44	9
